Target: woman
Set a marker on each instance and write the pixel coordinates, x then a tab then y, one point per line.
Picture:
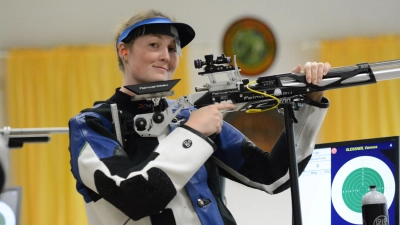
163	180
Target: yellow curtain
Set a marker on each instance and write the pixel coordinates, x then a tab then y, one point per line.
365	111
45	88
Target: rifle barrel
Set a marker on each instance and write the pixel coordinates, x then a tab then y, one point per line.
386	70
23	131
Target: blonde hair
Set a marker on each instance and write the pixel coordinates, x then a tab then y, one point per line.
135	19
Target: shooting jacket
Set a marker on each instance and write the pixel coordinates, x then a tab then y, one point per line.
174	178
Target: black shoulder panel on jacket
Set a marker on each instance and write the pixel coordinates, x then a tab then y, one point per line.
97	126
104	110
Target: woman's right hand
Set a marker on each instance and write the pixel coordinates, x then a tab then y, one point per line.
208	120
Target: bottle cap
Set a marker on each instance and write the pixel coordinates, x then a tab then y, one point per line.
373	197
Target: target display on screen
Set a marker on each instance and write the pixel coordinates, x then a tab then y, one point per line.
352	182
339	174
10	206
7	215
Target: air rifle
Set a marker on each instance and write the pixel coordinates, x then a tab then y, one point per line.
17	137
283	90
264	93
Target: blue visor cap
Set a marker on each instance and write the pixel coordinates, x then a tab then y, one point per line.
185	32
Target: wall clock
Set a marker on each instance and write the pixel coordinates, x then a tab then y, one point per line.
253	43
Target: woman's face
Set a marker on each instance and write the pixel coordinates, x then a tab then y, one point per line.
152	58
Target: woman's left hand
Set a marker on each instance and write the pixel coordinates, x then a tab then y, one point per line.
314	71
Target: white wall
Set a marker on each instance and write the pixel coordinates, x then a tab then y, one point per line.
47	23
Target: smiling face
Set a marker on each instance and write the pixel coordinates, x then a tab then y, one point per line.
151	58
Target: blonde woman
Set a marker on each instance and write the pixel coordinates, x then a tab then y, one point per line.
170	179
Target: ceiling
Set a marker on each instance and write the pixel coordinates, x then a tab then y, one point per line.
46	23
